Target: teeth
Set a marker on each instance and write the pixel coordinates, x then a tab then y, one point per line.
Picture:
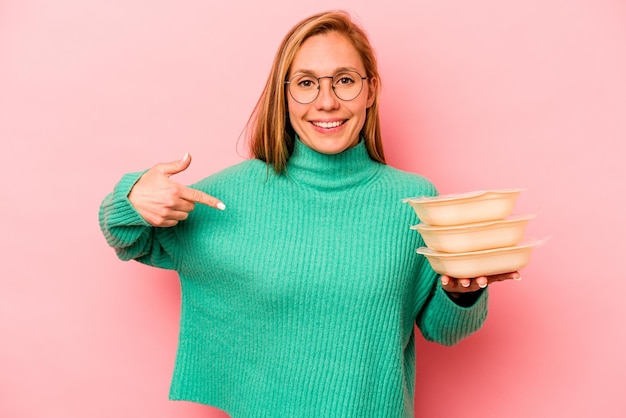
327	125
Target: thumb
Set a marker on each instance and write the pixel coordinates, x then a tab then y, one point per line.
177	166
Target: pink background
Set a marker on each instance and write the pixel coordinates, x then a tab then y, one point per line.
478	94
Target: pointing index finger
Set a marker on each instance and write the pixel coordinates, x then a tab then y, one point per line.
197	196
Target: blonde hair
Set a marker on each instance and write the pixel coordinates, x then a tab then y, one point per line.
269	132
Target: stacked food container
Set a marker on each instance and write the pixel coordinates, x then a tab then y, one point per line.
473	234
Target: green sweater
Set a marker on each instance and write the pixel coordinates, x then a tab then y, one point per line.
300	299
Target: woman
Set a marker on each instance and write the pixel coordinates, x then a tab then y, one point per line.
300	298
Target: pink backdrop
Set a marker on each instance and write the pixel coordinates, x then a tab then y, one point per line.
476	95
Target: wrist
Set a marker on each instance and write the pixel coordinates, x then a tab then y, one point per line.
464	299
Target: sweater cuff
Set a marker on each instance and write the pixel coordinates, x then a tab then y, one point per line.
117	209
457	322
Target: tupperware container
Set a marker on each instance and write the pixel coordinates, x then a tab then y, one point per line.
481	263
464	208
475	236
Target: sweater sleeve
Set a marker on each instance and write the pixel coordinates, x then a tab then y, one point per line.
439	318
124	229
443	321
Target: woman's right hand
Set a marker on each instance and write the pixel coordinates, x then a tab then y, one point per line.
161	201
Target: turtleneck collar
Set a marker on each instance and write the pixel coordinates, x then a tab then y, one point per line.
331	172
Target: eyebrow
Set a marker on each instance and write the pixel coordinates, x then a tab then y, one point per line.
311	72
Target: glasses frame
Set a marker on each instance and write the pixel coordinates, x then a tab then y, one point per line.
319	86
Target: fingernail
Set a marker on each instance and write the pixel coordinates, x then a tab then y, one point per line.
518	278
465	284
221	206
482	285
185	156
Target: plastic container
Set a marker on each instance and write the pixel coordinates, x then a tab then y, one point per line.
476	236
481	263
464	208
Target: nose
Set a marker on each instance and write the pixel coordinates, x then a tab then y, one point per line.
326	98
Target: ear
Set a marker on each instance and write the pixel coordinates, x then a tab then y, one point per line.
372	86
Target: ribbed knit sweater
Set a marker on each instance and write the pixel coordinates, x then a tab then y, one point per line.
299	299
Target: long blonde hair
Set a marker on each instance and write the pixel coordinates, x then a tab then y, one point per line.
269	132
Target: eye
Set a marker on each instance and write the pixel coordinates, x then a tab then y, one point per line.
344	80
306	83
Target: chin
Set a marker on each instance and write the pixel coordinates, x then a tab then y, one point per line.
330	146
331	149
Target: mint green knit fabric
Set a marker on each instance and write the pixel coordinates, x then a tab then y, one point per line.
300	299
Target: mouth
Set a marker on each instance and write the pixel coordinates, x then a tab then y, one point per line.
328	124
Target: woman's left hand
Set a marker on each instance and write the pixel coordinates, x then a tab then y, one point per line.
453	285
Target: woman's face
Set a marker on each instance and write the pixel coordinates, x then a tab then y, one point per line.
329	125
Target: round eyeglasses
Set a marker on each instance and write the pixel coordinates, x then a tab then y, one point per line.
304	88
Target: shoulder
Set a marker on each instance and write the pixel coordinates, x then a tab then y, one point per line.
407	183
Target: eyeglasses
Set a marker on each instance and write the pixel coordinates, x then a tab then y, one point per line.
304	88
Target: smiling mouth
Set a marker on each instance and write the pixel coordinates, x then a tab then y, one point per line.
328	125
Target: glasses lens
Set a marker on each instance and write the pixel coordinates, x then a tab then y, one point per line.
304	88
347	85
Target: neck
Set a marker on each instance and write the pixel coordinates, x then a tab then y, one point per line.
331	172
